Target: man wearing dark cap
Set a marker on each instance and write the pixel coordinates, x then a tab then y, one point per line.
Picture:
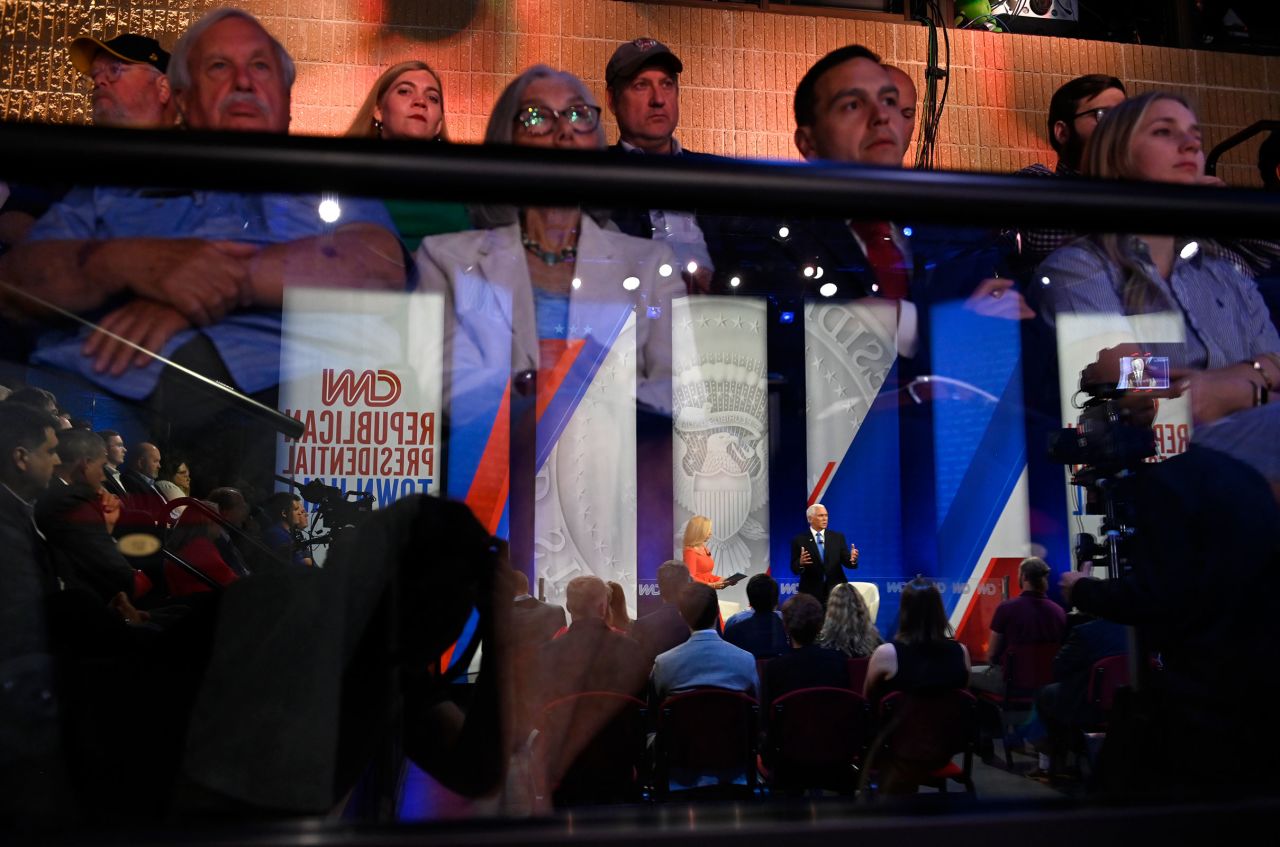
127	80
643	80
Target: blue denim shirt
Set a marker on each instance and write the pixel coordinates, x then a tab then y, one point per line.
249	339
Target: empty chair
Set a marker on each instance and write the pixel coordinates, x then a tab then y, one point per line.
816	738
590	749
706	741
1027	669
919	736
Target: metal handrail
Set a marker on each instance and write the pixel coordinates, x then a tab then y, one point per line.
490	174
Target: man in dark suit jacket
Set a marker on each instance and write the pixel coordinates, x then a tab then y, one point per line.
659	631
820	555
759	631
847	111
642	81
1063	704
534	622
808	665
139	480
590	656
116	451
70	515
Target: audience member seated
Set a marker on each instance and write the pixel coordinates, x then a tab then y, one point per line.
704	660
1230	359
1063	704
922	659
1029	618
285	516
175	472
590	656
116	452
664	628
72	515
192	540
923	656
139	480
761	633
534	622
618	618
235	543
848	627
807	665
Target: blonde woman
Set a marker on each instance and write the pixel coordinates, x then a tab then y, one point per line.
697	556
1230	360
406	103
848	626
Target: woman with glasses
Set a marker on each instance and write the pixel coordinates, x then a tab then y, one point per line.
543	300
406	103
1229	354
540	280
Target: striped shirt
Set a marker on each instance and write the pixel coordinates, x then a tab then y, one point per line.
1226	319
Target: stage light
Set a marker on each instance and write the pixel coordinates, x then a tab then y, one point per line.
631	283
808	271
734	282
1190	249
691	268
787	317
784	232
828	289
908	231
1044	280
329	210
664	270
577	283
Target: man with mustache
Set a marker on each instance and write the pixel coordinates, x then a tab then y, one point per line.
200	275
127	80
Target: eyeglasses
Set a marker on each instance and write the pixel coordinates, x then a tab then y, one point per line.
112	70
1097	113
541	120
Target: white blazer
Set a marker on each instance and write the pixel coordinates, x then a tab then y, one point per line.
484	277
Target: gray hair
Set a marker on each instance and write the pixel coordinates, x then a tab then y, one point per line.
80	445
179	60
808	513
502	127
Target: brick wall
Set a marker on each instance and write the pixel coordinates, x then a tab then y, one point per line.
741	67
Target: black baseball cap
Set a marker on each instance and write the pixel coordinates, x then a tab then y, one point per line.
137	49
633	56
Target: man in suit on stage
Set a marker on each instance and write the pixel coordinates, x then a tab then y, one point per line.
820	555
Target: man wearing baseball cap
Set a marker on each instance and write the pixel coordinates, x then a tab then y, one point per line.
127	79
643	80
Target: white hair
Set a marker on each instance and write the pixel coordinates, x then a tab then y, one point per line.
808	513
179	60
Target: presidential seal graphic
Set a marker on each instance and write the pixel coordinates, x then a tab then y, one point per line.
721	431
849	349
585	491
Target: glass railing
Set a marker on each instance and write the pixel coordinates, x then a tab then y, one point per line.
298	338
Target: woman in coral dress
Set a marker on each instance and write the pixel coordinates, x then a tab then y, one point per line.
696	555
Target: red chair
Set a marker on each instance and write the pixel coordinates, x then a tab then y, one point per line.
1027	669
707	731
590	749
858	673
816	737
920	734
1105	678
